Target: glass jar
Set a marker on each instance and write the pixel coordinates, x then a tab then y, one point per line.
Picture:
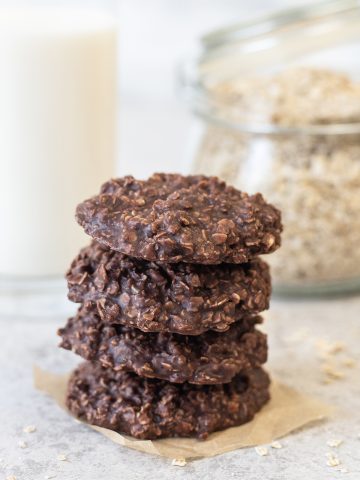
279	101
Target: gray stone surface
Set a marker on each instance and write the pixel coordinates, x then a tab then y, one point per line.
294	327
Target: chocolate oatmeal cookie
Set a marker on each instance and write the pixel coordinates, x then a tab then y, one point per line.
204	359
181	297
149	408
171	218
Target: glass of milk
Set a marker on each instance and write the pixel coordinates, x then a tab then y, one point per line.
58	104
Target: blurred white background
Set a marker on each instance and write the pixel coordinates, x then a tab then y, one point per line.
155	127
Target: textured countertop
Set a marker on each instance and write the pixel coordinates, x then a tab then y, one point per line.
300	333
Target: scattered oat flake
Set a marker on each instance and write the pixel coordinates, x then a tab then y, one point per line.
298	336
49	476
336	347
327	381
348	362
262	451
11	477
179	462
330	348
29	429
332	372
62	457
276	445
332	460
343	470
22	444
334	442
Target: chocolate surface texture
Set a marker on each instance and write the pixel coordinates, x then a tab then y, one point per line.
171	218
209	358
149	408
170	288
155	297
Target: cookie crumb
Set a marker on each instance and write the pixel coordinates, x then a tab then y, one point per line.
334	442
29	429
179	462
262	451
62	457
22	444
332	460
11	477
276	445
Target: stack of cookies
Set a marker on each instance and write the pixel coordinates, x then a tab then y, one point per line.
170	288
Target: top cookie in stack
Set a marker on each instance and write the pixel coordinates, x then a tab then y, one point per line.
177	258
172	218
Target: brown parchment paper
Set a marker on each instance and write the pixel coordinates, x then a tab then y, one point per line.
287	410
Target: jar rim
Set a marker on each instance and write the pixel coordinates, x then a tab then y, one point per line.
283	18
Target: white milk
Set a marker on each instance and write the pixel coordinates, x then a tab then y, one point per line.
57	131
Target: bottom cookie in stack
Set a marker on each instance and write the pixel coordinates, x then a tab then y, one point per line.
148	408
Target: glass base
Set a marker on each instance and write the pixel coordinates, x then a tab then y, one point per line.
319	289
34	297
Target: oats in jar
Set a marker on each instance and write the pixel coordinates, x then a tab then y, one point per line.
312	175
